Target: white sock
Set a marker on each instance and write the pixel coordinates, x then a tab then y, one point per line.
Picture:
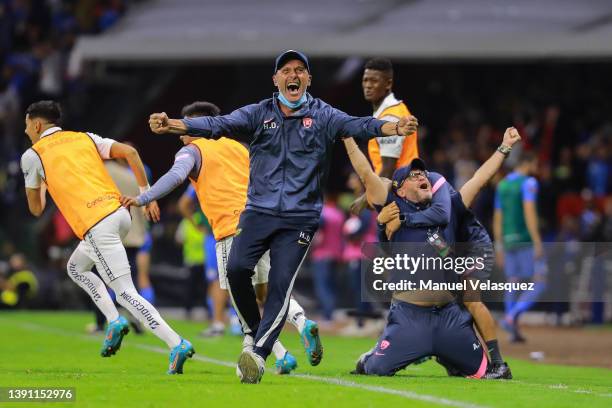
279	350
247	342
128	297
296	315
93	285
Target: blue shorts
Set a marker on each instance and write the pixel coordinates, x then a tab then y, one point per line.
518	263
414	332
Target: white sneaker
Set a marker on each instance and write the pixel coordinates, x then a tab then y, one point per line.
250	368
247	343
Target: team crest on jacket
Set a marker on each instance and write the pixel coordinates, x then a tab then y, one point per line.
307	122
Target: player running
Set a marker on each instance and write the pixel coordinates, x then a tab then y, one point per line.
219	173
70	165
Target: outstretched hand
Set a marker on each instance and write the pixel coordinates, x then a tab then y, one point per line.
407	125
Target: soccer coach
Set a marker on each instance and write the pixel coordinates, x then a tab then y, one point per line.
290	137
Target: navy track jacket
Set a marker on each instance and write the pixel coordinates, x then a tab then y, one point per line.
290	155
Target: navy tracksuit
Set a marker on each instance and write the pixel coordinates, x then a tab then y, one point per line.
414	332
289	163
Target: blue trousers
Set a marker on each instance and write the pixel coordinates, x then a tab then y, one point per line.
288	239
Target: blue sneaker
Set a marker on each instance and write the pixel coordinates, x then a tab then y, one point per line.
114	335
286	364
312	342
179	355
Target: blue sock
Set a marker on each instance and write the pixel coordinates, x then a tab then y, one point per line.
527	299
148	293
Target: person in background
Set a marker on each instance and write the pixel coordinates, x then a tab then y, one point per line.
191	234
357	229
326	255
188	203
517	240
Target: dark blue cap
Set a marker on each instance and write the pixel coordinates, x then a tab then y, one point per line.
289	55
400	174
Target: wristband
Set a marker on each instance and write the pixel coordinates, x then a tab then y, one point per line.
505	150
144	189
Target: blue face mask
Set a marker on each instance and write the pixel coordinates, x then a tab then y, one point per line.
292	105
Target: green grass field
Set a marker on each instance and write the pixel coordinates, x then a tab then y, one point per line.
52	350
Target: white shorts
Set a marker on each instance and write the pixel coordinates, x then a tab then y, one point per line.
223	248
102	246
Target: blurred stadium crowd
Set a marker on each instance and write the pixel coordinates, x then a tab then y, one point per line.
567	123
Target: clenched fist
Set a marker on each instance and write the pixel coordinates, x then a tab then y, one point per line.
158	122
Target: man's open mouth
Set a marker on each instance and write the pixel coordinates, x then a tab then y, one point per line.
423	186
293	88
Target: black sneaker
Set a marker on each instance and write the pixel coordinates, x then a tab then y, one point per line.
498	372
360	366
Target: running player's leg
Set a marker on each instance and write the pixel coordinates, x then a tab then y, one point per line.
79	270
456	344
104	241
133	302
406	339
245	250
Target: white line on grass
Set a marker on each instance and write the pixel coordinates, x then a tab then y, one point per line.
328	380
337	381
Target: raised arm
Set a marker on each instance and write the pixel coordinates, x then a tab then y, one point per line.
343	125
376	189
472	187
240	124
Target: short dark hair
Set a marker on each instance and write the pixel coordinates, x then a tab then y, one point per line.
200	108
380	64
50	111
